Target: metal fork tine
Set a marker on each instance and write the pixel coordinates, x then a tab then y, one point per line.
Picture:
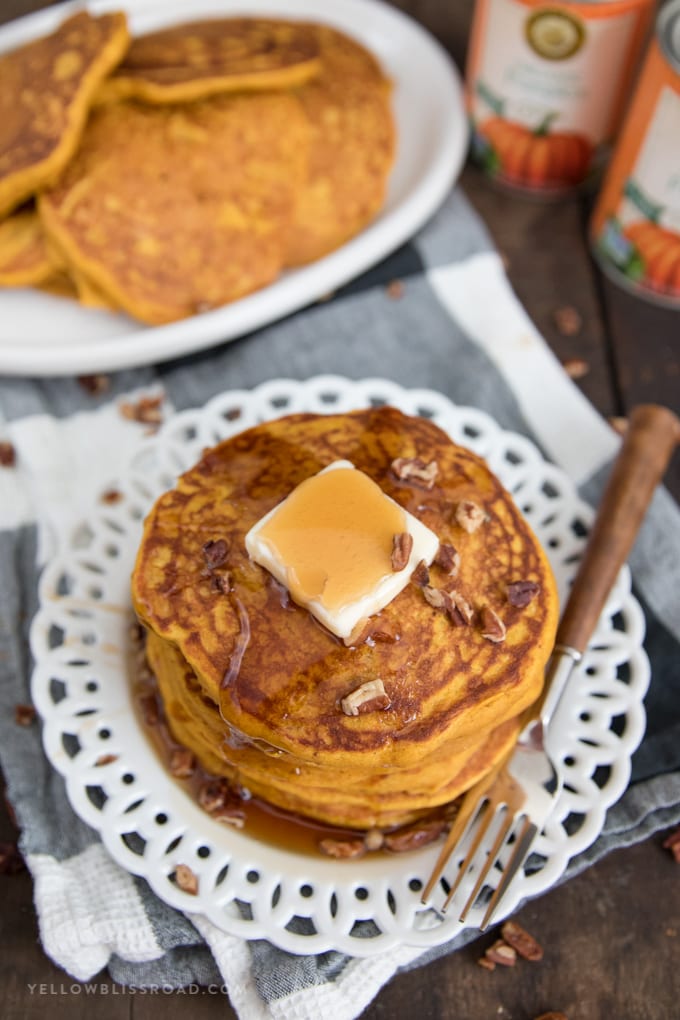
501	836
470	805
482	829
519	854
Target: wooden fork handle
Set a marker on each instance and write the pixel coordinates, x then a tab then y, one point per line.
647	447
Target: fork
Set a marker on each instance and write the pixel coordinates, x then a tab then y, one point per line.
522	790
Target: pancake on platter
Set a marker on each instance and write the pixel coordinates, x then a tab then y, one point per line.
45	91
257	688
352	148
25	256
196	59
174	210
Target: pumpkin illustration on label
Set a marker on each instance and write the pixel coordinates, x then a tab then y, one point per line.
658	252
534	158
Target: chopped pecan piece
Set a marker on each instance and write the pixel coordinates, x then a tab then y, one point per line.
374	839
521	941
370	697
576	368
150	710
552	1015
486	963
231	814
24	715
435	596
186	879
469	516
222	582
568	320
215	552
448	558
8	455
619	424
421	575
412	837
413	469
672	843
94	384
342	849
395	289
382	631
11	861
182	763
500	952
402	546
520	593
216	794
147	410
491	625
106	759
458	608
110	497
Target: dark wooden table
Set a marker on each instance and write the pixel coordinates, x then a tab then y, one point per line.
612	935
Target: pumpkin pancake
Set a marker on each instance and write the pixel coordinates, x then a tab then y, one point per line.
200	58
25	258
178	209
352	148
45	91
254	685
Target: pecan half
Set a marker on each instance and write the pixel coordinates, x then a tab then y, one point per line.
186	879
402	546
448	558
520	593
469	516
215	552
8	455
521	941
182	763
412	837
342	849
421	575
24	715
491	625
500	952
413	469
370	697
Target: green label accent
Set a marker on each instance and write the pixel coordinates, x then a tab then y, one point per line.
637	196
494	102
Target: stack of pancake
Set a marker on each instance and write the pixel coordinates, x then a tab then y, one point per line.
169	175
255	686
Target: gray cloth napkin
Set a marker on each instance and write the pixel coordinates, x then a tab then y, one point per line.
454	326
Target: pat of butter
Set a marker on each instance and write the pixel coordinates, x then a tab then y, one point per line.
330	543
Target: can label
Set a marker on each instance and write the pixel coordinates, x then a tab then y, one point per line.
641	235
546	85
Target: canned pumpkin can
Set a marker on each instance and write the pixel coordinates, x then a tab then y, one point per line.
635	227
546	86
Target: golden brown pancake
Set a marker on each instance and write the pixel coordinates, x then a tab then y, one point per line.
253	684
25	258
45	91
352	148
200	58
178	209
